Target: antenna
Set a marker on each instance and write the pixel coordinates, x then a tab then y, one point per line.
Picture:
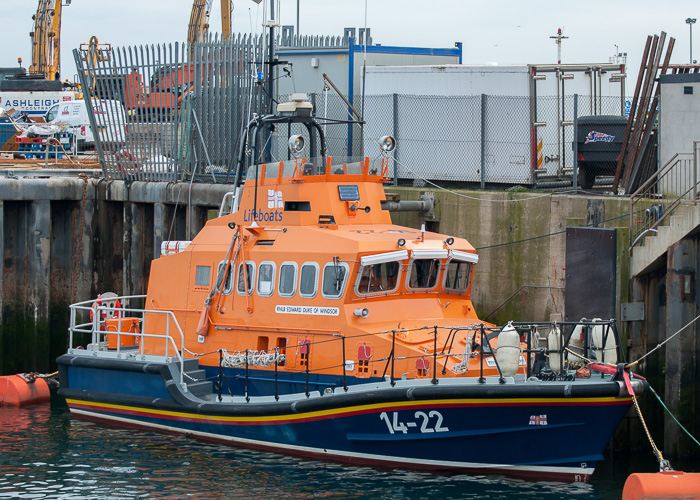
558	37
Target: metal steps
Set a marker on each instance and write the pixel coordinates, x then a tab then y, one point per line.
685	219
195	378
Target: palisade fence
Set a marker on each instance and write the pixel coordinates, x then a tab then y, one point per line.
186	107
182	107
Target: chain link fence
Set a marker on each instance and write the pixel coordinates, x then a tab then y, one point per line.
175	111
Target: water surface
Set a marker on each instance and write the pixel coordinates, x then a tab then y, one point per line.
45	453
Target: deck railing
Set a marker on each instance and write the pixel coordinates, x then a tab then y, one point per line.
574	347
124	327
655	200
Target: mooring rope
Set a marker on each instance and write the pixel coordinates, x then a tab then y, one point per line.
673	416
630	365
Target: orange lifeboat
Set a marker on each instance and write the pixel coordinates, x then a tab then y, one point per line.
22	389
664	485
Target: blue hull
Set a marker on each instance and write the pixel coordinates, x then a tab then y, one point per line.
544	430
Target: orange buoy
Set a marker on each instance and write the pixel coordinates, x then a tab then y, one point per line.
664	485
21	390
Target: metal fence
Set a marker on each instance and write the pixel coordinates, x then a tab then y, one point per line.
168	112
175	112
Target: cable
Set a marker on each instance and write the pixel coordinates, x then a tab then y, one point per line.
673	417
556	232
460	195
630	365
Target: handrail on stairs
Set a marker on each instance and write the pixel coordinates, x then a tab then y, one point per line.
675	182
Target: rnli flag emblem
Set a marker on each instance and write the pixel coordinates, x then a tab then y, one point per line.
594	136
538	419
274	199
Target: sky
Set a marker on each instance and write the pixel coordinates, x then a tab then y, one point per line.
495	31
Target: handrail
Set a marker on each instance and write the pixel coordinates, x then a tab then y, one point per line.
395	353
97	330
484	350
675	181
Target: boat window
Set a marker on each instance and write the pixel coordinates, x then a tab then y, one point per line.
250	271
202	276
266	279
308	280
424	273
288	279
335	276
383	277
457	275
228	283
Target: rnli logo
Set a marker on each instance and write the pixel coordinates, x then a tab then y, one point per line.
594	136
538	420
274	199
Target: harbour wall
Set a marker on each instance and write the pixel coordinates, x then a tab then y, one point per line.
68	239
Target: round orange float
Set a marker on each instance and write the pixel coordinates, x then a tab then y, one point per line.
17	390
664	485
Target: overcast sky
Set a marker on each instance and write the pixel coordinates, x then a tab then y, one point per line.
495	31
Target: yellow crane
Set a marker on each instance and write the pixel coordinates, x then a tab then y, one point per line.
199	20
46	40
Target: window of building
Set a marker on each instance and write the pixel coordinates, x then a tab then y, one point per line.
335	276
288	279
308	280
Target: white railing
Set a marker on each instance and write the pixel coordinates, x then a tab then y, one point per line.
109	322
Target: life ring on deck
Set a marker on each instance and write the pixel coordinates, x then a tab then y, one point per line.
109	300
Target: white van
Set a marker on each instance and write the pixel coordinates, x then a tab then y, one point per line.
109	115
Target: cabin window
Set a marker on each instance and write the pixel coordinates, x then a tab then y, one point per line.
308	280
457	274
202	276
228	282
382	277
266	279
263	343
249	274
335	276
288	279
424	273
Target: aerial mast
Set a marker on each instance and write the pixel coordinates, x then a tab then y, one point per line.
558	38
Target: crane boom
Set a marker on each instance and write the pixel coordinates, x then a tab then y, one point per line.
199	20
46	40
226	18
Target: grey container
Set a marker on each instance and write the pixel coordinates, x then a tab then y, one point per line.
599	141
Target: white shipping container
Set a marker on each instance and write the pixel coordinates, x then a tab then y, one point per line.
440	108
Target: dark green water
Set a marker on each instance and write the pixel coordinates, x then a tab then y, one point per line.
44	453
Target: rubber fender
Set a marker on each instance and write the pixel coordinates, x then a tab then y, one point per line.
508	350
553	345
665	485
15	390
604	353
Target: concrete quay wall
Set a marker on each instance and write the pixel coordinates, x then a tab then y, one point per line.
66	239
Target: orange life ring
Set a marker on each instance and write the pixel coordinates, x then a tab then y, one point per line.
105	314
93	309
